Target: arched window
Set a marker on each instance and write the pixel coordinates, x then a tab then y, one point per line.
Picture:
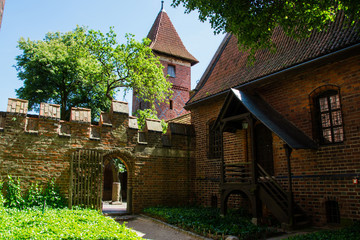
215	146
329	116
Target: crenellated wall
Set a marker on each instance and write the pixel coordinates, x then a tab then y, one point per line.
39	147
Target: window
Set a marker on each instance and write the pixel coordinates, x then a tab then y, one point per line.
171	104
332	211
330	117
171	71
215	145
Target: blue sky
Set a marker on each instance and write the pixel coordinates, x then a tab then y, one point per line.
33	19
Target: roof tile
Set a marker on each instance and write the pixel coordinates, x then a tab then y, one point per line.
165	39
231	69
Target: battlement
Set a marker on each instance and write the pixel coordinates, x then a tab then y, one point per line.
40	147
116	122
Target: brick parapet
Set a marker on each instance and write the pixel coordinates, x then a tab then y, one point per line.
38	148
117	122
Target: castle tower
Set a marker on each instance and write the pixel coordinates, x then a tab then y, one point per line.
177	62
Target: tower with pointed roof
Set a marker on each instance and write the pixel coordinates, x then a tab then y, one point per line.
177	62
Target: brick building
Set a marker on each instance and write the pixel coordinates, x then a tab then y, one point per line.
177	62
281	137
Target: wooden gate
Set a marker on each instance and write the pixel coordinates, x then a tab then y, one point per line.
86	173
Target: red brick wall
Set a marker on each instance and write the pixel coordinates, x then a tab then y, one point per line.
207	170
328	172
157	174
181	90
319	175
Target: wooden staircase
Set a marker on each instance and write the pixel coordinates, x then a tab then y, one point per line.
277	201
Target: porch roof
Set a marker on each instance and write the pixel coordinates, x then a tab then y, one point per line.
240	102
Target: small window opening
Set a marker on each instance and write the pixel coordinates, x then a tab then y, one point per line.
332	211
171	71
215	144
214	201
171	104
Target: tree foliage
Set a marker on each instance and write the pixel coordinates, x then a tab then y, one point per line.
253	22
86	68
149	113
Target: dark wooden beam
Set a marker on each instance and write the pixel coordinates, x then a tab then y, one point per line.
243	116
288	151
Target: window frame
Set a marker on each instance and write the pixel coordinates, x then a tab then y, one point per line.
332	209
170	73
325	111
214	139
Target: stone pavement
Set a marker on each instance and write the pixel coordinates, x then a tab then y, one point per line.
149	228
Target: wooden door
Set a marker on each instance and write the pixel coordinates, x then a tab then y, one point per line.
263	148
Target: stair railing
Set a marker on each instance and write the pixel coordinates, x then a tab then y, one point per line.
273	188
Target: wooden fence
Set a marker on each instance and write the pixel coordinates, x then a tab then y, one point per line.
86	174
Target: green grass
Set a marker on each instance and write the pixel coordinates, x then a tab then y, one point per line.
60	224
348	233
208	222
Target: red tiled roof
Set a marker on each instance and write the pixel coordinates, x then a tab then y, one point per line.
165	39
229	66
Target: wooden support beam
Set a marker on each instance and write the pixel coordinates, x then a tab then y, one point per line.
222	168
288	151
243	116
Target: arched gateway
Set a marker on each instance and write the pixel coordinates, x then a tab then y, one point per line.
88	176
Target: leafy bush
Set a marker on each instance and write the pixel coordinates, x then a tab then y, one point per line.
207	221
13	197
60	224
35	196
2	199
349	233
53	197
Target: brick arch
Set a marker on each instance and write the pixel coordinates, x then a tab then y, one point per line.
129	161
127	157
323	88
244	192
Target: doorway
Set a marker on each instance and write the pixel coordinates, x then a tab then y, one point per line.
264	148
115	177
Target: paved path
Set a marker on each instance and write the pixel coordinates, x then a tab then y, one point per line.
148	228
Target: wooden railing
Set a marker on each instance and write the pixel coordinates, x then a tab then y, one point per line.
237	173
273	188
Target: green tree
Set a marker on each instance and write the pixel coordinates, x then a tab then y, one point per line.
253	22
86	68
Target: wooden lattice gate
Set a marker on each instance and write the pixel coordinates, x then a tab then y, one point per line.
86	173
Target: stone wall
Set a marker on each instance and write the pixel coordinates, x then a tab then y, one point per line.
39	147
